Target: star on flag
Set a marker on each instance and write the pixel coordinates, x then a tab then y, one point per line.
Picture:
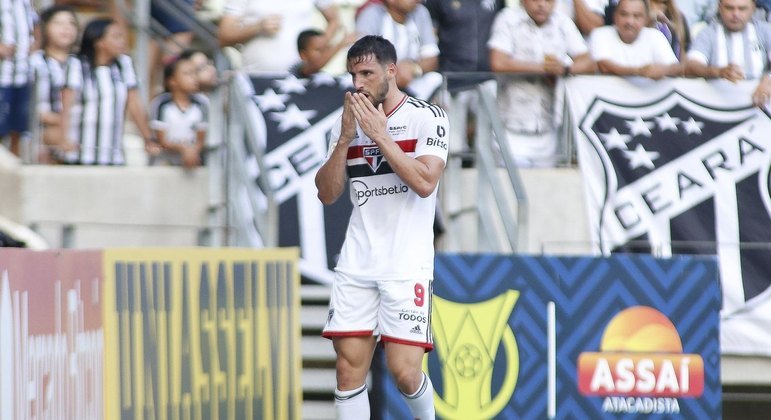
293	117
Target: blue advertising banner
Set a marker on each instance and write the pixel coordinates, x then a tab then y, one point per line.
575	337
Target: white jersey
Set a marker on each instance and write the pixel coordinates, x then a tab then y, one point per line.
390	233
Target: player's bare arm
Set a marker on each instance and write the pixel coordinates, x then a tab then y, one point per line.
420	174
331	177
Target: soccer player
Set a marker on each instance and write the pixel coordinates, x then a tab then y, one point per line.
391	149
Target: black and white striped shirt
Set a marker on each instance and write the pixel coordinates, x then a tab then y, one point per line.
99	109
48	76
17	18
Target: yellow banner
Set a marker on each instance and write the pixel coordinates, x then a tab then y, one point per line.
202	334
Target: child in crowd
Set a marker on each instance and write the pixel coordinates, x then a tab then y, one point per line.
59	30
208	80
315	51
180	115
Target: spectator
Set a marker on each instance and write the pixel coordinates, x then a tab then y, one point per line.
629	48
269	30
59	33
668	19
178	38
208	80
315	52
463	29
16	39
540	45
180	116
734	48
100	87
407	24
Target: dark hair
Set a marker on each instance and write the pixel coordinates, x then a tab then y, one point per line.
305	36
644	2
374	45
49	13
188	53
171	68
95	30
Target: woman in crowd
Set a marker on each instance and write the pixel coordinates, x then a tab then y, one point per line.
100	87
671	22
59	32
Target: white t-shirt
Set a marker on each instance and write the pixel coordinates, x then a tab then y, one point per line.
650	47
275	54
390	233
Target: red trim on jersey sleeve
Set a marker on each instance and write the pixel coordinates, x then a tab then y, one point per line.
333	334
427	346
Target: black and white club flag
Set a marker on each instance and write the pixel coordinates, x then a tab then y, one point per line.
292	118
682	167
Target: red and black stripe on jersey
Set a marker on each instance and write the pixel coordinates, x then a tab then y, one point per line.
374	163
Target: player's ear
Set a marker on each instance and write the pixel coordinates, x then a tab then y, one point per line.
391	69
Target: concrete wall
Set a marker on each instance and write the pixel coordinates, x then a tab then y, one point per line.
106	206
556	212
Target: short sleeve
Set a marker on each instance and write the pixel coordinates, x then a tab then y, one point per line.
156	121
127	72
502	33
41	81
600	43
575	43
434	137
428	42
74	79
662	51
702	45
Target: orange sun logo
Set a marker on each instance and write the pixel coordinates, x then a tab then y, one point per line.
641	354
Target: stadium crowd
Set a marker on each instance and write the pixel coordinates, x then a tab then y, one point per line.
66	61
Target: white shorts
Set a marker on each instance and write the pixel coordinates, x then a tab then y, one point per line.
398	311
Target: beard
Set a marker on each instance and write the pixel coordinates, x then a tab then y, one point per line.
379	95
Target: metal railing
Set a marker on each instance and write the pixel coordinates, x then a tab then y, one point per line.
500	206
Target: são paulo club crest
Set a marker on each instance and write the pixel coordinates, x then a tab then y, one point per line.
682	177
373	156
